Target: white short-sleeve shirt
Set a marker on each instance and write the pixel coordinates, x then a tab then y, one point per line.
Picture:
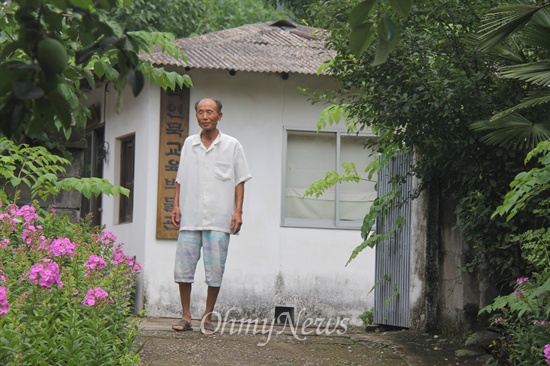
207	179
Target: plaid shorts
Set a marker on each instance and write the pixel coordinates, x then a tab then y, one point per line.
214	246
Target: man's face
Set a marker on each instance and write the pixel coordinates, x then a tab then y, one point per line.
208	115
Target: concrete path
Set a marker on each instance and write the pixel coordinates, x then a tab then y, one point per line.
254	345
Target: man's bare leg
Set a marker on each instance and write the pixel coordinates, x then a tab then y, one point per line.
211	298
185	298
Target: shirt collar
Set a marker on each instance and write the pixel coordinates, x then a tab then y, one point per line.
197	138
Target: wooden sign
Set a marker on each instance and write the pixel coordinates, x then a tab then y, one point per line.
174	128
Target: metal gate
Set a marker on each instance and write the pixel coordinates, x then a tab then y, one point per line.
392	271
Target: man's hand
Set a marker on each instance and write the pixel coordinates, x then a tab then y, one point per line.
237	219
175	217
236	222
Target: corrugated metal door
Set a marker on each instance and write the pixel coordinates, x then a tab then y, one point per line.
392	271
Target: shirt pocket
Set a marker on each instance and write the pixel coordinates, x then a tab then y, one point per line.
223	171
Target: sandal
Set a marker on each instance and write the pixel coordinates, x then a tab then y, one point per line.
207	328
182	326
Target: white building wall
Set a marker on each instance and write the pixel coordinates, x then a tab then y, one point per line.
268	265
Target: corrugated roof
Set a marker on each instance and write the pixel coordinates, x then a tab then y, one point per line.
263	47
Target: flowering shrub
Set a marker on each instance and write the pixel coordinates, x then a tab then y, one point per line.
523	316
65	292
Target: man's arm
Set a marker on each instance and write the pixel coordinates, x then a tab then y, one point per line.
237	219
176	213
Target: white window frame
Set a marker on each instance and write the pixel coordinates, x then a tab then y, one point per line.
335	223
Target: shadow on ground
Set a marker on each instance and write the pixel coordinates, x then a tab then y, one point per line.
165	347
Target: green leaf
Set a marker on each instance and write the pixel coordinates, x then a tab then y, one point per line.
388	37
9	48
61	108
532	99
527	185
185	81
503	21
82	56
106	42
361	38
83	4
99	68
360	13
89	77
61	4
110	72
401	7
512	130
537	73
536	35
103	68
136	81
325	67
25	90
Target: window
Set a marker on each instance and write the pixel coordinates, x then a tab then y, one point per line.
309	156
94	157
127	158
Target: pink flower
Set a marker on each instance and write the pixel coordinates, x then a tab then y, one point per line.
119	257
547	353
4	305
4	243
2	276
46	275
498	320
27	212
94	263
522	280
61	246
100	293
518	294
93	295
28	234
107	237
136	267
89	299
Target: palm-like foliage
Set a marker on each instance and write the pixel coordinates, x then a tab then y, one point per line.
513	129
504	29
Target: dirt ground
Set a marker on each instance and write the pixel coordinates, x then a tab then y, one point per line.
165	347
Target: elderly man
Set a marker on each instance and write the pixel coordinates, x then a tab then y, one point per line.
208	207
